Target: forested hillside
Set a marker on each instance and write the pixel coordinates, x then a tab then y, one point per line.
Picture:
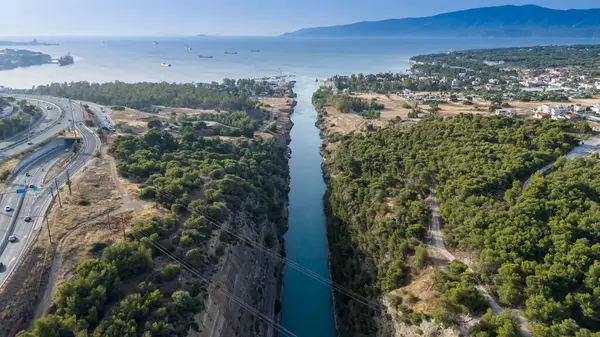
143	287
378	216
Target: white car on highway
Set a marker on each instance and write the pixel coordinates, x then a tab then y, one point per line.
7	208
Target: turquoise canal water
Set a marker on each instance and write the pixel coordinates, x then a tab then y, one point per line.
307	302
307	306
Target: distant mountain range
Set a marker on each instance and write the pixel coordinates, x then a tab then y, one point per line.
501	21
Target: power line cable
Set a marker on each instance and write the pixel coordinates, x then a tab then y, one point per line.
310	273
282	330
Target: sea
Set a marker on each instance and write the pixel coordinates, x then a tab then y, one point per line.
307	302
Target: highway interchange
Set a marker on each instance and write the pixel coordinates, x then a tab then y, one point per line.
61	115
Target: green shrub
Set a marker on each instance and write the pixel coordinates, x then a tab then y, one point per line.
194	257
169	272
83	202
4	175
186	240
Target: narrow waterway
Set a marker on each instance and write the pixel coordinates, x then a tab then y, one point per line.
307	303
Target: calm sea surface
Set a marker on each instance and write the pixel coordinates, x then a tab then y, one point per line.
307	309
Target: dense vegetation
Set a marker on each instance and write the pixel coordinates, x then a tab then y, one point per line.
540	245
458	295
387	83
378	216
248	175
347	104
84	305
239	120
199	180
145	96
537	57
24	115
235	123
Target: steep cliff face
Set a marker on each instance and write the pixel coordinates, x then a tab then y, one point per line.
250	275
250	270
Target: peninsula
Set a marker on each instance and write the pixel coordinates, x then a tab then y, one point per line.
16	58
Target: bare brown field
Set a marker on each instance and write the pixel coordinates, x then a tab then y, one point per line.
394	107
137	120
422	288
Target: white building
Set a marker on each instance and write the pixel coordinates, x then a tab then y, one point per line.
579	108
596	108
554	110
506	112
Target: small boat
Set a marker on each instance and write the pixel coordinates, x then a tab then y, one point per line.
155	42
204	57
165	64
188	48
254	51
231	52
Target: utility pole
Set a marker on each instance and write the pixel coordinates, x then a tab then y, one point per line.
48	227
69	182
58	192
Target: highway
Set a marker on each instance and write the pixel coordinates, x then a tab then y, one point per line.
35	204
53	121
101	115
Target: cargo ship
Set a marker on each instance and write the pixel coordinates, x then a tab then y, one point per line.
65	60
231	52
204	57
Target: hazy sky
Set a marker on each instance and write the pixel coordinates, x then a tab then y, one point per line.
227	17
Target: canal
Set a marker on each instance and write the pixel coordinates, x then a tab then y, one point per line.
307	303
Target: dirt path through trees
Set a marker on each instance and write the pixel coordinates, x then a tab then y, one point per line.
436	241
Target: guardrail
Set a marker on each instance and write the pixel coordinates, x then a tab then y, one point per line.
13	222
15	217
46	149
